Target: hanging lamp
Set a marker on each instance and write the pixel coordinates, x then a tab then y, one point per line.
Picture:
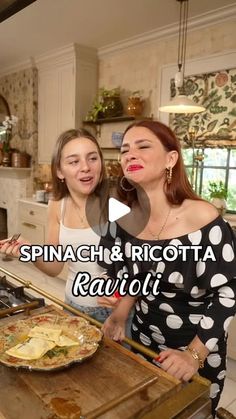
181	103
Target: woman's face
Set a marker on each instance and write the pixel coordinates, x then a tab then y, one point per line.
80	165
143	157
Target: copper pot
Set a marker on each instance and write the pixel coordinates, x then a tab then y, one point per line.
20	159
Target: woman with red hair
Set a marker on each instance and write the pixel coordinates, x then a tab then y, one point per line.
186	321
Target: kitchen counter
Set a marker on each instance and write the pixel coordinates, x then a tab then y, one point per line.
113	383
33	201
28	272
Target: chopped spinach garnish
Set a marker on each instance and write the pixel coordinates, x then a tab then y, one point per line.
57	351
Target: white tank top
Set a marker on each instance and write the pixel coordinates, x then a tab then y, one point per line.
76	237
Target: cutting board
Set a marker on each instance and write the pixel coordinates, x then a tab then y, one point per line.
114	384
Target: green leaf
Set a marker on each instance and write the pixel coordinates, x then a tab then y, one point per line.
57	351
211	125
233	78
233	99
223	132
217	190
233	112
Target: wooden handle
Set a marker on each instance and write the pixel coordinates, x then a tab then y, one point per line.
112	403
29	225
21	307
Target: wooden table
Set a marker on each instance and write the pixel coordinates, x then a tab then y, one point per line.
113	384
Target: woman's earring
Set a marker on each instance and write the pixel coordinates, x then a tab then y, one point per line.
124	187
169	175
62	180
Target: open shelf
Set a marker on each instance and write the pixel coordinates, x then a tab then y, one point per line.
109	120
116	119
97	124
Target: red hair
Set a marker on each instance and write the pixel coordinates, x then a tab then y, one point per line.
179	189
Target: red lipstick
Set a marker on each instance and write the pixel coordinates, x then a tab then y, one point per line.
134	167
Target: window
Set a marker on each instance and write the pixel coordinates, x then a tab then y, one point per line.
212	164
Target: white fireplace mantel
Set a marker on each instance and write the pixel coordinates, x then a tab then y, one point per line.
15	183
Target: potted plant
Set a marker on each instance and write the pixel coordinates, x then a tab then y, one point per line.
218	195
107	104
135	104
96	111
8	123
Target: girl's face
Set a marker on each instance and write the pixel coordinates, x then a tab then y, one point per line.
80	166
143	158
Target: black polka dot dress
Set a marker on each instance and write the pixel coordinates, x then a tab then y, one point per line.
195	292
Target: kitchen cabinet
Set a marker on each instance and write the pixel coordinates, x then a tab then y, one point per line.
67	84
32	219
232	340
231	347
33	224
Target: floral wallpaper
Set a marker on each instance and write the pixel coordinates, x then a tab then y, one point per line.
20	90
217	125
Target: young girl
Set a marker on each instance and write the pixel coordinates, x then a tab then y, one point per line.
78	173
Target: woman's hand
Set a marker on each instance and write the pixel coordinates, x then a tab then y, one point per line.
11	247
179	364
114	329
109	302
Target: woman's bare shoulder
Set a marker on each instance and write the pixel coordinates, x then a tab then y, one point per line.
200	212
53	204
54	208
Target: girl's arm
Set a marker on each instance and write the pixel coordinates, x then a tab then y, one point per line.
114	326
53	228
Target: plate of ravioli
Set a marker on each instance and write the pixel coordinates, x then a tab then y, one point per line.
48	342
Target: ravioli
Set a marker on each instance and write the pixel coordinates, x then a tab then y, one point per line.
53	335
45	333
33	348
65	341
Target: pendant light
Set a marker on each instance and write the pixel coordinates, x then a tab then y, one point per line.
181	103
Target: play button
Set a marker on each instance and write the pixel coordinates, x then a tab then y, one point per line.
116	209
105	208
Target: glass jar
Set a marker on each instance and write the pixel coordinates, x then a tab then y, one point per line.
112	106
134	106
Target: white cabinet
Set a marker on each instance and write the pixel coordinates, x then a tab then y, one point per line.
232	340
231	218
33	224
67	84
32	221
